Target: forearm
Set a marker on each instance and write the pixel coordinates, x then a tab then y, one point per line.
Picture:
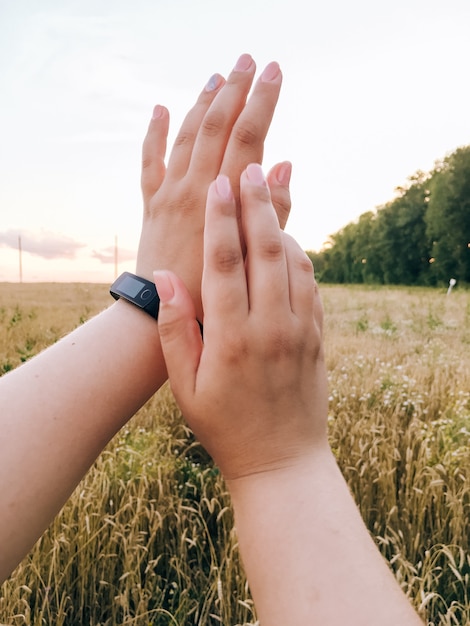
61	408
307	553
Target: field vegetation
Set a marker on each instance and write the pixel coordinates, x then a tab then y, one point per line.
147	537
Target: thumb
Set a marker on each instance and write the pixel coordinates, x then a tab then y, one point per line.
180	336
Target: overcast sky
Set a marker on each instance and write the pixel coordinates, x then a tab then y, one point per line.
373	91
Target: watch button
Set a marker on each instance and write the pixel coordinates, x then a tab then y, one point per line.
146	294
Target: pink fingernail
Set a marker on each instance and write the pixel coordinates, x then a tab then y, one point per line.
244	63
271	72
157	112
284	173
164	286
214	82
224	189
255	174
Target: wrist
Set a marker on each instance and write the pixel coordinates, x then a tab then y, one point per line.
135	320
317	461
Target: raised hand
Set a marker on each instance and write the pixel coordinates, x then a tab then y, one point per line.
222	133
255	391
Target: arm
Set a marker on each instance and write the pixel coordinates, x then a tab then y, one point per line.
255	394
60	409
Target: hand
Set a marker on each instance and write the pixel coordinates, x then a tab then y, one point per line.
222	133
255	392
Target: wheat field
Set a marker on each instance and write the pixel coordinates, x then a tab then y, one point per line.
147	537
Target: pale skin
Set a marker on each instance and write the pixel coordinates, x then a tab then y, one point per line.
62	407
255	394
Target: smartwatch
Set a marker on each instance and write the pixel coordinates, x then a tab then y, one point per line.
139	291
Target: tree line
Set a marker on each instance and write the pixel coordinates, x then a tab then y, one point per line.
421	237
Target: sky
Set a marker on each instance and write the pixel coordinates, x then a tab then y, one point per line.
373	91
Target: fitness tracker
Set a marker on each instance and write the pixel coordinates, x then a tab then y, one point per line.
138	291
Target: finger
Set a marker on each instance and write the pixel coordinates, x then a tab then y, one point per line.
224	289
217	125
304	294
278	179
301	280
246	141
179	333
266	261
180	156
153	152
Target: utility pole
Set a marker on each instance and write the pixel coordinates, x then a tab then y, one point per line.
21	260
115	257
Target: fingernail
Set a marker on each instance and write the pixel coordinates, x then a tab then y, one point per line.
164	286
157	112
284	173
244	63
271	72
214	82
224	189
255	174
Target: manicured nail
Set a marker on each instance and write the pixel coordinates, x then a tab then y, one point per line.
255	174
157	112
244	63
284	173
164	286
224	189
214	82
271	72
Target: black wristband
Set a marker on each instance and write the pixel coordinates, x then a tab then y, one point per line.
139	291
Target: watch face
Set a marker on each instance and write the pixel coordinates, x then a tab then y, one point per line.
130	285
139	291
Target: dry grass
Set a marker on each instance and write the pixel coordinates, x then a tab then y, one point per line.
33	316
147	536
399	365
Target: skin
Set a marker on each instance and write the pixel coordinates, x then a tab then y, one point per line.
222	133
62	407
255	394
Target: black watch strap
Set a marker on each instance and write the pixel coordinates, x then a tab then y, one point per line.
138	291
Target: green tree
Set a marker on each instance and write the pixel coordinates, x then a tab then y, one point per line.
402	241
448	217
422	236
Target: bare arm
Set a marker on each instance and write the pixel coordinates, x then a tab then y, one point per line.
255	394
60	409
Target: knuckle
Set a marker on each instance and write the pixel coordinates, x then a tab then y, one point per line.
271	249
258	193
316	345
184	138
282	204
305	265
299	257
212	124
168	328
147	162
246	133
226	259
183	201
236	348
186	204
280	344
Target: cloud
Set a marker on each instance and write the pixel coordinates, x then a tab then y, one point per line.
106	255
46	245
